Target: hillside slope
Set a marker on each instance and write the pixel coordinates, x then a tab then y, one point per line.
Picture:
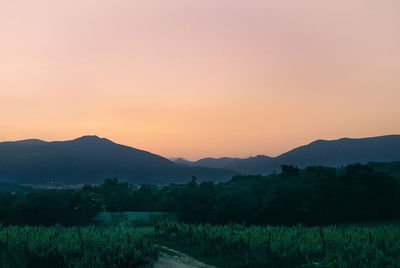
321	152
91	159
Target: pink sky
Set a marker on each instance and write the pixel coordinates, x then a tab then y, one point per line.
200	78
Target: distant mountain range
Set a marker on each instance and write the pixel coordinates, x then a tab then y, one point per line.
91	159
321	152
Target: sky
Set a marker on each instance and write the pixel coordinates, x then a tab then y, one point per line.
197	79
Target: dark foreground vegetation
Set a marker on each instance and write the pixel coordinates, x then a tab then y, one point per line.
86	247
221	245
299	213
273	246
312	196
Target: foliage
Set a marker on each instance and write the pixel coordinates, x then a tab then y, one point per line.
298	246
75	247
69	207
314	195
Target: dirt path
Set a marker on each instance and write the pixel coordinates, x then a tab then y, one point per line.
169	258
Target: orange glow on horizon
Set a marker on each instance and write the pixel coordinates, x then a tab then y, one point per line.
200	78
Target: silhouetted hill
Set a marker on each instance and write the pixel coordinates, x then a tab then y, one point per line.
91	159
223	162
321	152
344	151
182	161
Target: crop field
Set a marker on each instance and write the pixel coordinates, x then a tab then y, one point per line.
240	246
220	245
73	247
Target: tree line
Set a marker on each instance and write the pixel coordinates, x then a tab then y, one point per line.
314	195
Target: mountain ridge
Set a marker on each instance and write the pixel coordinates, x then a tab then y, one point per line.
334	153
91	159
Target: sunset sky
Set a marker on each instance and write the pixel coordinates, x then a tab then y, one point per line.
200	78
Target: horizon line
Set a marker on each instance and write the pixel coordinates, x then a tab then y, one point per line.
197	159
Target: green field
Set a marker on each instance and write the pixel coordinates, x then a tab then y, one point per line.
124	243
89	246
256	246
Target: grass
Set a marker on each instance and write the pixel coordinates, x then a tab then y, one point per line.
347	245
89	246
277	246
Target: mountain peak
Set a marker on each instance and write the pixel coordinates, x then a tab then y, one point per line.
91	139
30	142
261	156
88	137
91	159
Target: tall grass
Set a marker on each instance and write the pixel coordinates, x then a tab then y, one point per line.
74	247
298	246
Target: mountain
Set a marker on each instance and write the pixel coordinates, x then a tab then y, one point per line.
344	151
251	165
182	161
91	159
321	152
223	162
